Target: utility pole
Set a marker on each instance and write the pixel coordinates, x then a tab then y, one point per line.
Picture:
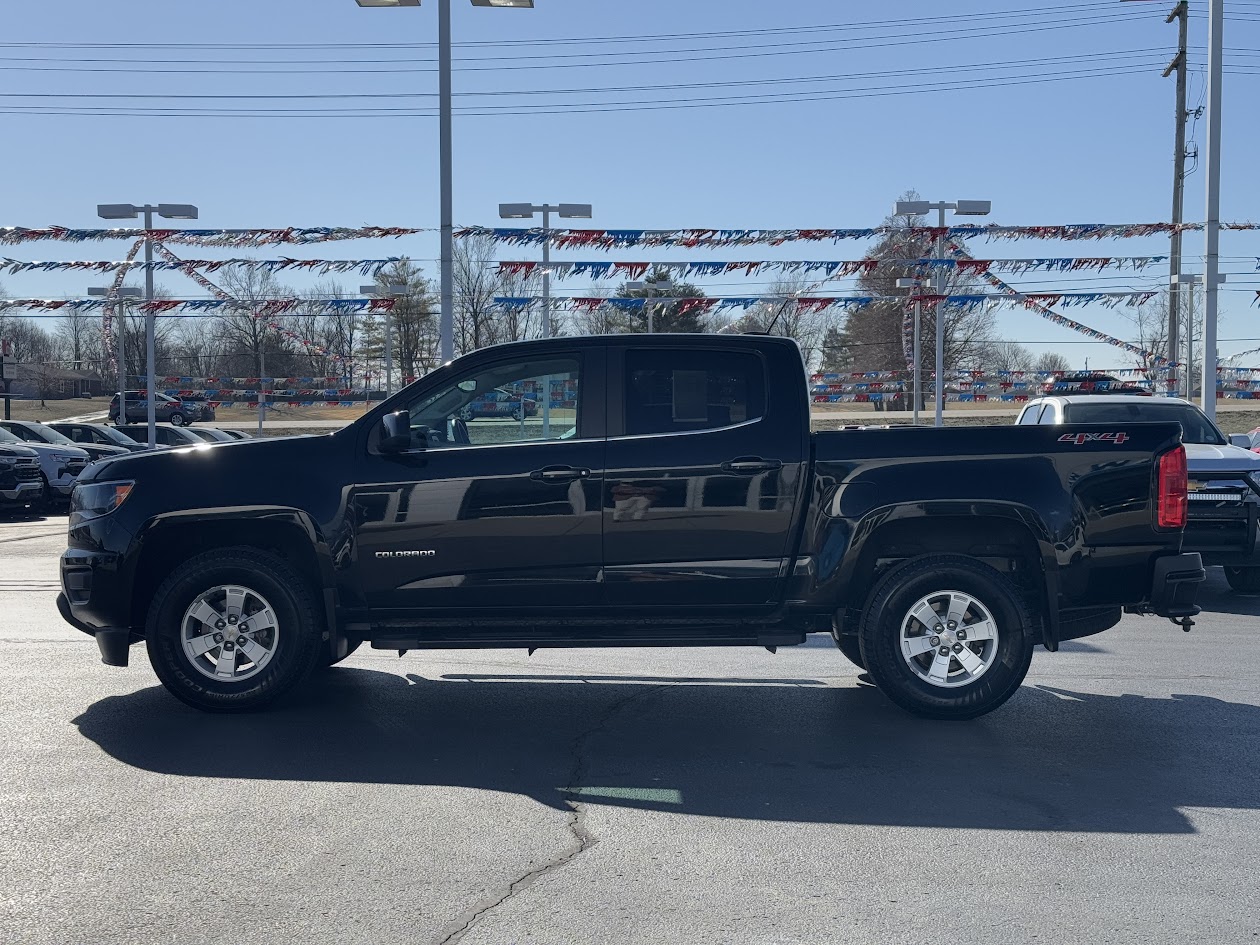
1181	12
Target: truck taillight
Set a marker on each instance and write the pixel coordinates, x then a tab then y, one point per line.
1172	500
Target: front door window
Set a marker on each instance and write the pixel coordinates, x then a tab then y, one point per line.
502	404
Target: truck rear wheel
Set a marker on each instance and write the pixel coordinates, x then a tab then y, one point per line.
232	629
946	637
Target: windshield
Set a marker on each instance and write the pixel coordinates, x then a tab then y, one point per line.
49	435
114	436
1195	427
7	437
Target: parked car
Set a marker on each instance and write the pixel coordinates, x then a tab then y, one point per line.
500	403
165	435
237	434
59	466
21	486
198	408
689	505
33	432
1224	474
211	435
86	434
167	409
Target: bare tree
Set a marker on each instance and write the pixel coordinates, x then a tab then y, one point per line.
873	333
413	321
1008	356
476	284
802	323
248	338
80	333
1051	361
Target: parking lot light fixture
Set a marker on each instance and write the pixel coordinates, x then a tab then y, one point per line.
394	290
526	211
967	208
446	320
169	211
120	345
915	285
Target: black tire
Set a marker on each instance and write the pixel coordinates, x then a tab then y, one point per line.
518	414
177	419
889	605
51	500
299	643
1243	579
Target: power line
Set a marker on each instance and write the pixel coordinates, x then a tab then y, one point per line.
655	37
563	109
604	62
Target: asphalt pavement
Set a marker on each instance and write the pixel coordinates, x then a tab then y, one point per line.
628	796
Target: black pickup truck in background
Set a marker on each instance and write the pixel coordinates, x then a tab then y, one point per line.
666	492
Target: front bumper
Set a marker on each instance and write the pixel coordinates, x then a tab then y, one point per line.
1174	586
114	643
22	494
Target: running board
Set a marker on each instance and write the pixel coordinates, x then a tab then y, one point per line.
552	640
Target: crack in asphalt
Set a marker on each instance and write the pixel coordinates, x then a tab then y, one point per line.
583	840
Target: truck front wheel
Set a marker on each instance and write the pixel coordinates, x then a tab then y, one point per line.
232	629
946	637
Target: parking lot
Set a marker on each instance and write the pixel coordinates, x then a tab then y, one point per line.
699	795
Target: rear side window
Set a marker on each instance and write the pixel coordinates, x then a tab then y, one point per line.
676	391
1031	414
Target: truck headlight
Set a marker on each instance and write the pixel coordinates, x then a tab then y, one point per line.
95	499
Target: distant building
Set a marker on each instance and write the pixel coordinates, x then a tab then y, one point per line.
46	382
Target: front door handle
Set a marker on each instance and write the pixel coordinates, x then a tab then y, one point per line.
560	474
752	464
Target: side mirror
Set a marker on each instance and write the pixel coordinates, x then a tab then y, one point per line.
396	432
1240	439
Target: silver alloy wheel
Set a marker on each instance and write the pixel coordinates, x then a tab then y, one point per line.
229	633
949	639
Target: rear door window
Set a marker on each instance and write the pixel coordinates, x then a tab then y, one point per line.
673	391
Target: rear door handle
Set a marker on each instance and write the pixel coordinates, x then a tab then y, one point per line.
560	473
752	464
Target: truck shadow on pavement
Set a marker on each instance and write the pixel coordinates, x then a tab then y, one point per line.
1217	597
769	750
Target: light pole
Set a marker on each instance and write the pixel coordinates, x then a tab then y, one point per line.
120	346
1212	224
526	211
648	306
127	211
971	208
392	291
1209	361
915	285
447	321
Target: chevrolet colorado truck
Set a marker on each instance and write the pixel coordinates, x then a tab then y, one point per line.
667	492
1223	521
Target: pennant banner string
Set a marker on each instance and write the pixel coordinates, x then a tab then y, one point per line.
1042	304
12	235
830	269
322	266
709	238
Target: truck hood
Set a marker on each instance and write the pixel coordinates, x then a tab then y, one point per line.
1204	457
47	449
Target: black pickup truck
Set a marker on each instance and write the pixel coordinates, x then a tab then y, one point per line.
667	491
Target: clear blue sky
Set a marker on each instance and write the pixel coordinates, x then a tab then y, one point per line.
1093	148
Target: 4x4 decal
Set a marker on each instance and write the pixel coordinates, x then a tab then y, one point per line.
1080	439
